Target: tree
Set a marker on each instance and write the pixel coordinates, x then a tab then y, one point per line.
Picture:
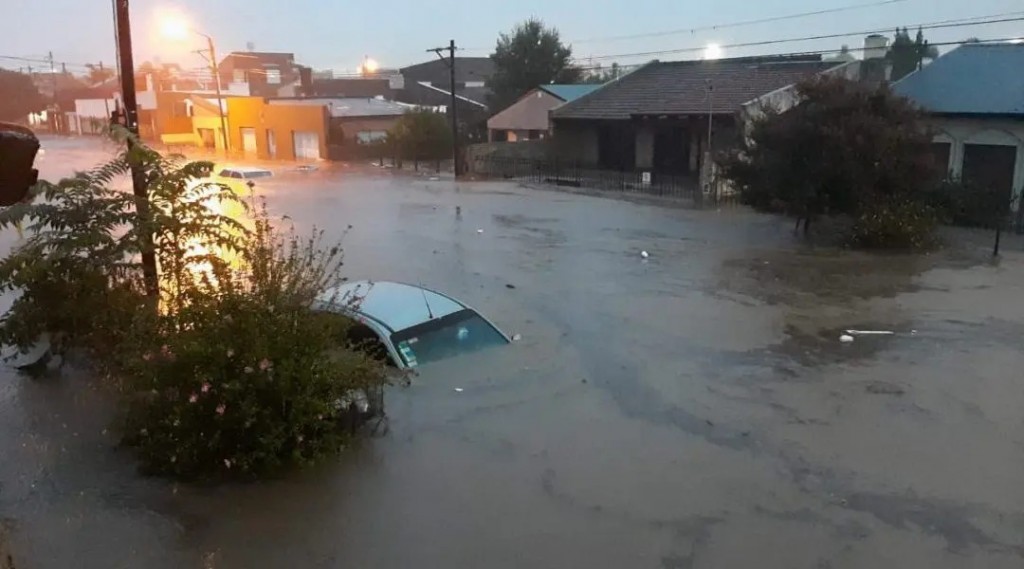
421	135
907	55
18	96
98	73
531	55
842	148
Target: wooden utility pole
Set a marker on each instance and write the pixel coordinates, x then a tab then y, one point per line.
130	115
456	165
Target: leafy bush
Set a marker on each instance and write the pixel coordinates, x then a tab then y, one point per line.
968	204
895	224
228	372
841	148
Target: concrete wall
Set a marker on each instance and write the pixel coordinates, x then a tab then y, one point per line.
283	120
959	132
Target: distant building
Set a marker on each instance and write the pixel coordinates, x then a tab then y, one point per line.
529	117
266	74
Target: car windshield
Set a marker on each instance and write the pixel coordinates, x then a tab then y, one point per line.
459	333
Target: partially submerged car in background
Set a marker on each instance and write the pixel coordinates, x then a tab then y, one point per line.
410	325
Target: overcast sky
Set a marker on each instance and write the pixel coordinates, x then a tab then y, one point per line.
339	33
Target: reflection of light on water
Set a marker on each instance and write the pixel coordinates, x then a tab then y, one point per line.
198	250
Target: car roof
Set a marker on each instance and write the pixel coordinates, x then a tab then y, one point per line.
395	305
243	169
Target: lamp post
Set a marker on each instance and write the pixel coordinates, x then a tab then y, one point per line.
176	29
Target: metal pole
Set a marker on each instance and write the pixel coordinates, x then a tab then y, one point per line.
131	121
220	101
455	111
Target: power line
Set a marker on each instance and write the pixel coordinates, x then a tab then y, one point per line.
742	23
927	26
795	54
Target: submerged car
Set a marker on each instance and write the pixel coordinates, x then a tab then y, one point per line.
411	325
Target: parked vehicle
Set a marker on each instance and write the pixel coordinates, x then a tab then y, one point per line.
411	325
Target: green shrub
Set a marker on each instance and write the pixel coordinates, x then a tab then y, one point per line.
895	224
228	372
243	378
968	204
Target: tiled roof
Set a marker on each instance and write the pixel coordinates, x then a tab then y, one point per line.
569	93
681	87
971	79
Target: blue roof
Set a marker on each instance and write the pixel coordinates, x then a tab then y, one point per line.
570	93
971	79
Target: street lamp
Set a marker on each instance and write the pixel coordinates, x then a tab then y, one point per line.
177	29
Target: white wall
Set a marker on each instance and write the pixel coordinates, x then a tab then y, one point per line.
961	131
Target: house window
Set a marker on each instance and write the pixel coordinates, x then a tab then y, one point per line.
371	136
273	76
181	109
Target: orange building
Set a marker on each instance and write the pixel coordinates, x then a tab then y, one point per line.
255	129
277	132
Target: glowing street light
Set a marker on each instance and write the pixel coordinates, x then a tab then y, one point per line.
713	51
176	28
369	66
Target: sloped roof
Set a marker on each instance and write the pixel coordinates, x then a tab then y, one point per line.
681	87
569	93
971	79
350	106
466	69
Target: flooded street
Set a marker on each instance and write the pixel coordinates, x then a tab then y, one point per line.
692	410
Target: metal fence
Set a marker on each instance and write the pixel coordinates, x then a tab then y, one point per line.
631	182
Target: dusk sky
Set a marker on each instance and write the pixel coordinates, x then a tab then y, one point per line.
337	34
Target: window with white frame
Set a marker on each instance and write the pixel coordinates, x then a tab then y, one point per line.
371	136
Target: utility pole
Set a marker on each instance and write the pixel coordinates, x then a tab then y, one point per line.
456	166
215	67
52	112
130	114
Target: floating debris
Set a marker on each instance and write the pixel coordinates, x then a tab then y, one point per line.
846	339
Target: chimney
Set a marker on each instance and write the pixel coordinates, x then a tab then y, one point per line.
876	46
306	81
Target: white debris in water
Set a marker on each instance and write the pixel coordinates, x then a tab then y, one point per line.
517	337
459	390
846	339
871	332
434	178
645	254
479	230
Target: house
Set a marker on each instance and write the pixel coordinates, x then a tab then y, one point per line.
257	128
974	97
528	118
266	74
661	117
428	84
353	120
278	129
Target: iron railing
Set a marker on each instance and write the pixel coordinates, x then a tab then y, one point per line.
685	187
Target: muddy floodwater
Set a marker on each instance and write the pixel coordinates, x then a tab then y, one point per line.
692	410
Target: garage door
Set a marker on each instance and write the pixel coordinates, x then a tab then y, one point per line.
249	141
307	145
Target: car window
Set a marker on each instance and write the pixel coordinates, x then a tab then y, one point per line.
456	334
258	174
226	173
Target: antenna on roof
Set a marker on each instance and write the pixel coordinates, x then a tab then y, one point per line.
423	291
